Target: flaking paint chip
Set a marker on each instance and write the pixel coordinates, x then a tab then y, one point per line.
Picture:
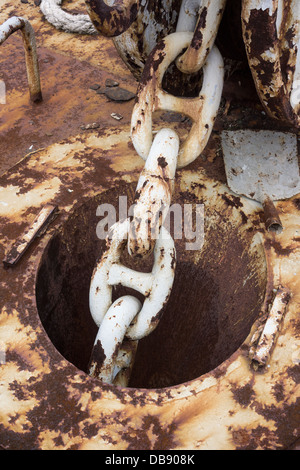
117	116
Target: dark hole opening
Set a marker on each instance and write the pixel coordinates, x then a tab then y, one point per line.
216	297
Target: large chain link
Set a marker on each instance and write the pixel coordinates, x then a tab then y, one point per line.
12	25
114	321
203	17
271	32
123	323
151	97
153	193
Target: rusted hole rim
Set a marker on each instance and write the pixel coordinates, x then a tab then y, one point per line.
163	394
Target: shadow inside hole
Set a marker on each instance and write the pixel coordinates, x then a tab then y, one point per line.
216	297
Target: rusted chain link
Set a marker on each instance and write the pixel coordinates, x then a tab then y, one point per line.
155	286
112	20
271	32
151	97
112	357
209	14
32	66
111	360
153	194
133	320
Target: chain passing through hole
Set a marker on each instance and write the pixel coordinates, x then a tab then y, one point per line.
124	322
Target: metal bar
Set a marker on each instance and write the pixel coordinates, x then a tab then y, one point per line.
271	329
33	75
38	227
113	20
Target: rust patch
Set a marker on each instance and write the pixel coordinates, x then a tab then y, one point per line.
244	395
68	103
279	249
245	439
113	20
98	358
233	201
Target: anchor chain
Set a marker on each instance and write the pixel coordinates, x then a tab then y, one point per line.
117	318
113	20
126	321
151	97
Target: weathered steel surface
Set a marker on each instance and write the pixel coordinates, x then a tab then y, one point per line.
112	20
69	67
152	97
262	165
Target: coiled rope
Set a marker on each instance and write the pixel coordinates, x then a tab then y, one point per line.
60	19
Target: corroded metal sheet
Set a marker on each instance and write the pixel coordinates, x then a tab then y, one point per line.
69	66
47	400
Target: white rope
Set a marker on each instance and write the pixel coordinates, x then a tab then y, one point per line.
60	19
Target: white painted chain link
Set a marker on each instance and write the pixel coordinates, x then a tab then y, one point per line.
152	97
109	360
117	318
203	17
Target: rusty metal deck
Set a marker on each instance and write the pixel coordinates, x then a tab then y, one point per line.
48	156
